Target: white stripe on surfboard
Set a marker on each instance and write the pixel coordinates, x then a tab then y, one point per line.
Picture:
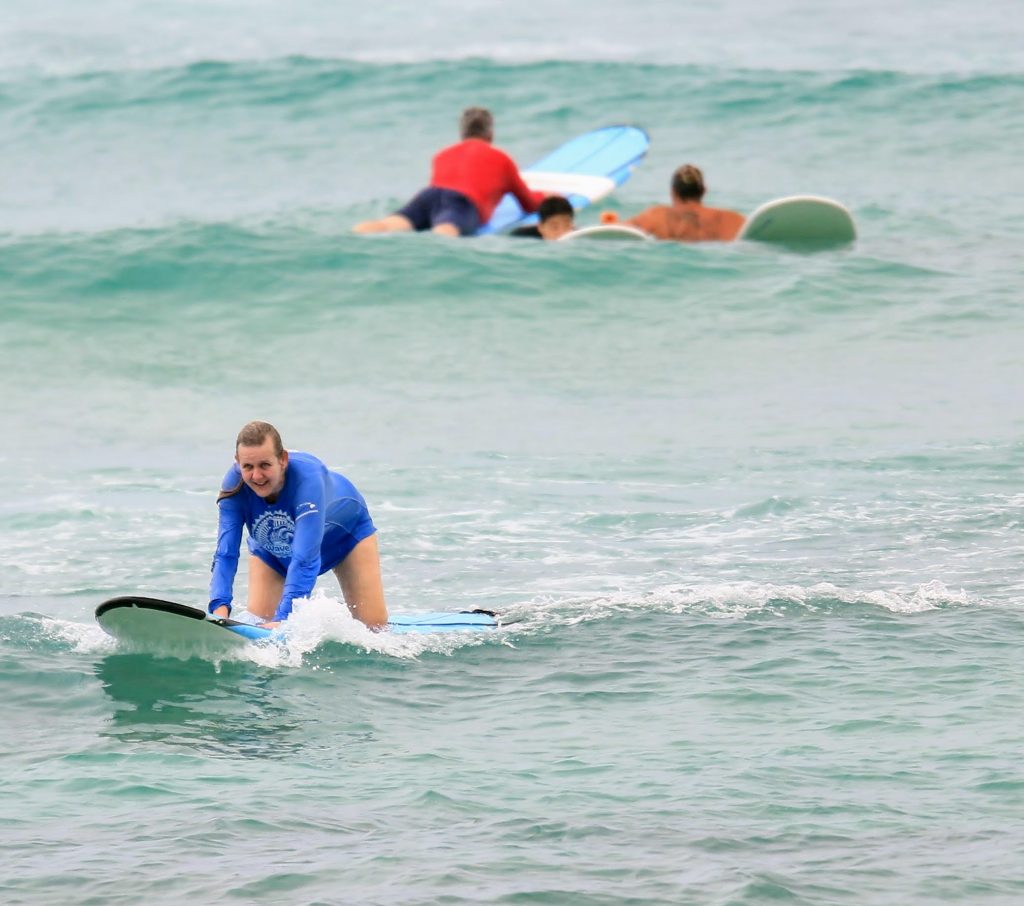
591	187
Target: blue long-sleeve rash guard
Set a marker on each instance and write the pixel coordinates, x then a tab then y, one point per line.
293	529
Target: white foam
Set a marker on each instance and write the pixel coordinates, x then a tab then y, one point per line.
322	619
86	638
736	600
930	596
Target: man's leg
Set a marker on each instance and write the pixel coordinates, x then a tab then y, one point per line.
393	223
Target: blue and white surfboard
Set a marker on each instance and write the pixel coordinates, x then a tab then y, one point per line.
150	622
584	170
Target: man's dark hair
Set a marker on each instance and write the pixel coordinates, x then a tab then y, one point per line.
688	182
552	206
477	122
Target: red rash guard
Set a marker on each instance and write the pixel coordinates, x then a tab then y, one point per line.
483	174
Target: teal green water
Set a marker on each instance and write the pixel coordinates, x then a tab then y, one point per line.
756	513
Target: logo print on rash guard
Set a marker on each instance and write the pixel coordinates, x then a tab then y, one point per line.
274	531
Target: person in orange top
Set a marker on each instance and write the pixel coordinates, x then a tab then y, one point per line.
467	182
687	219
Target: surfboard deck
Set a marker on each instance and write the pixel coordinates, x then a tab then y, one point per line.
800	219
151	622
607	231
568	184
584	170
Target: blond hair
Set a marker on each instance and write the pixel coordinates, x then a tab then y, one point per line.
688	182
255	434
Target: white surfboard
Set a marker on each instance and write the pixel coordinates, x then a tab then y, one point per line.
606	231
800	219
166	626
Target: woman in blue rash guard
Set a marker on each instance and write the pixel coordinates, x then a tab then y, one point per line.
302	520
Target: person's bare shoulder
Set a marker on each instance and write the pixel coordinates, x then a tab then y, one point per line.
730	223
651	220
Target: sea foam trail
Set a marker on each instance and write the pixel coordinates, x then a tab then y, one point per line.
321	626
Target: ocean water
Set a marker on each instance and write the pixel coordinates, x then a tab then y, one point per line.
754	514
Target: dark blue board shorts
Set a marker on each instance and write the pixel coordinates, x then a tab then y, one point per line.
433	206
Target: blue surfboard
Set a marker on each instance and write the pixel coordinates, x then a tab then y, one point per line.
150	622
585	169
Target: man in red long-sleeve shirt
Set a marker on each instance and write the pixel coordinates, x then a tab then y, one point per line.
467	182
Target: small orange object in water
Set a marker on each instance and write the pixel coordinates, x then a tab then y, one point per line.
609	217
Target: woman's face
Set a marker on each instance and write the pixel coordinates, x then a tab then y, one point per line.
262	470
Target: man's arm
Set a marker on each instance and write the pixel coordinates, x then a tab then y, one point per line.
528	200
